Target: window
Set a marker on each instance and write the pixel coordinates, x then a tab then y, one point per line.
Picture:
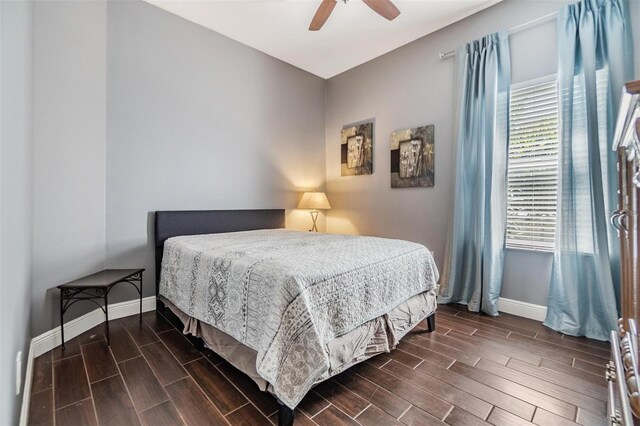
533	165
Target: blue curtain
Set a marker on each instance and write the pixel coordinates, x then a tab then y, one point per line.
473	271
595	57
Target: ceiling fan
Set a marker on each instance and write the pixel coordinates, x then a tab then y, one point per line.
384	8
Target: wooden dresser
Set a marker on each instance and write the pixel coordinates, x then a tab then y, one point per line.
622	372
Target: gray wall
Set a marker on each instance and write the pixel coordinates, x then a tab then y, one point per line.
409	87
634	9
69	157
16	28
168	116
199	121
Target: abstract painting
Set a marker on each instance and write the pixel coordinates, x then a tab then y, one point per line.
356	150
412	157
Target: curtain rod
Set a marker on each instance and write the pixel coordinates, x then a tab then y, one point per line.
517	28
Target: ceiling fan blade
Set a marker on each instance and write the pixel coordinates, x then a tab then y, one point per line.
384	8
322	14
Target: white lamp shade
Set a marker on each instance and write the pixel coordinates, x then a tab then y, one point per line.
314	201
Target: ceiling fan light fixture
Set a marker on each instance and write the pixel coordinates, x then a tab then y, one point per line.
384	8
322	14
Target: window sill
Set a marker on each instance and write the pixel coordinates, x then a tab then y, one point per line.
527	249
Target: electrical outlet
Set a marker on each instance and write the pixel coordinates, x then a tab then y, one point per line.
18	372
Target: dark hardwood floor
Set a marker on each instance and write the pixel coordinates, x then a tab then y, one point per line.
474	370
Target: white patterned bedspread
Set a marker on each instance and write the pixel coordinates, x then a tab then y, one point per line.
286	293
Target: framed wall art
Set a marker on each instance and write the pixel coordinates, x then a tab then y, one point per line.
412	157
356	150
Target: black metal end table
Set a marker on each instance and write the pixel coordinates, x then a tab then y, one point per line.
96	287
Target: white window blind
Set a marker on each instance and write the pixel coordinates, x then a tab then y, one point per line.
533	166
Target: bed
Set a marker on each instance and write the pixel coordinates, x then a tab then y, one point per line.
289	309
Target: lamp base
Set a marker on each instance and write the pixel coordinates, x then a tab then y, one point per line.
314	217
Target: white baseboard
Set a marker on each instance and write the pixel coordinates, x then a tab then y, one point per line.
26	389
51	339
522	309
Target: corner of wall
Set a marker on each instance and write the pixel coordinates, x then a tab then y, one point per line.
69	160
16	88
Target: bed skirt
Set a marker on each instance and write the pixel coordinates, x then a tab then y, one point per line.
380	335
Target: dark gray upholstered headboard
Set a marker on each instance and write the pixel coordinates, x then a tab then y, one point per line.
193	222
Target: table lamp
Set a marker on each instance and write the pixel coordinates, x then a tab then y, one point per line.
314	201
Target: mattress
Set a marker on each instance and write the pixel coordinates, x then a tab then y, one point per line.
287	294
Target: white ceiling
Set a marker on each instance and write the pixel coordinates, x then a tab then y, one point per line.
354	34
